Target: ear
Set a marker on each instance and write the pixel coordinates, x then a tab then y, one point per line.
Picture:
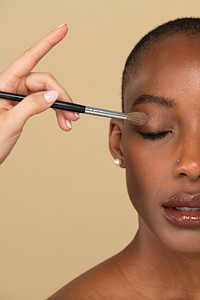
115	139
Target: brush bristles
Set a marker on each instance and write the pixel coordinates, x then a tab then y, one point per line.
137	118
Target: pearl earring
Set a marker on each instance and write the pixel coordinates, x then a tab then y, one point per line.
118	162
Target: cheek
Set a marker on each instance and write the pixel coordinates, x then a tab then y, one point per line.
144	177
137	174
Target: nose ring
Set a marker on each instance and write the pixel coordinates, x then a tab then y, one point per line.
178	161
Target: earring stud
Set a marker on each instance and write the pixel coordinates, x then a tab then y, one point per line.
118	162
178	161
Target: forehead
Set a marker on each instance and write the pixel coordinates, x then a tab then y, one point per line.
166	68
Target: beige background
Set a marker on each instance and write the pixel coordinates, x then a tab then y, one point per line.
63	204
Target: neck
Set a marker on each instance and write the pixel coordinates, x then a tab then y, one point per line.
161	270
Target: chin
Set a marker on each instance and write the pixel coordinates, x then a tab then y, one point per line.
185	241
170	237
180	240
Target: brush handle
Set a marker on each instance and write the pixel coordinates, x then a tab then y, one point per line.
69	106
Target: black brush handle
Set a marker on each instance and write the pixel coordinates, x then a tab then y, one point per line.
58	104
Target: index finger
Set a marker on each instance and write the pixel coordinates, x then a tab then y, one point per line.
23	65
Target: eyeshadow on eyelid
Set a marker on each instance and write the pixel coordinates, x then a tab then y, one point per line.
159	120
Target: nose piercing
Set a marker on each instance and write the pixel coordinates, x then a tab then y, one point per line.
178	160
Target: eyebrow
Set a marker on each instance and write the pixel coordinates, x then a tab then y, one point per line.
159	100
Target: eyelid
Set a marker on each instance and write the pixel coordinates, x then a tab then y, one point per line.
154	135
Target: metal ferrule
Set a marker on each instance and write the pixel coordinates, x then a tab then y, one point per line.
105	113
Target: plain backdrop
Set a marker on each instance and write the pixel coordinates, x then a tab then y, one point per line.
63	204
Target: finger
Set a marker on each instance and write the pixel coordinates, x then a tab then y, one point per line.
65	118
12	121
27	61
44	81
31	105
66	123
36	82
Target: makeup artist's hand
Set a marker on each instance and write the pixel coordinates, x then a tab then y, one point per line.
18	78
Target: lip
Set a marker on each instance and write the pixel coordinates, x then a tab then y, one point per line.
183	210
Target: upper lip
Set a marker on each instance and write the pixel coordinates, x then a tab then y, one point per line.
184	200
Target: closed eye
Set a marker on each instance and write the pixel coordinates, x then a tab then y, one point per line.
154	135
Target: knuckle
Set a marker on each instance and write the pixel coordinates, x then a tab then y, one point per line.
5	120
34	104
30	53
49	76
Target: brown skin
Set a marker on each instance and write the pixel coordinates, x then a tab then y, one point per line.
163	260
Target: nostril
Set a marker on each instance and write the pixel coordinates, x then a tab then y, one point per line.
182	174
188	168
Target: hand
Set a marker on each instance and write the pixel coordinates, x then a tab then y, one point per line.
18	78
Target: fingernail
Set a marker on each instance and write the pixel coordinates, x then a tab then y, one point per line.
69	124
51	96
76	115
61	25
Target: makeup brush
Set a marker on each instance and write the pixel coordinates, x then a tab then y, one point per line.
137	118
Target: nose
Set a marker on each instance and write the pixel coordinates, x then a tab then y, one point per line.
188	162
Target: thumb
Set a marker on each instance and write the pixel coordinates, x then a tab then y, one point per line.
12	121
30	106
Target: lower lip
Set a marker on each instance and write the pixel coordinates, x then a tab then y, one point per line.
182	218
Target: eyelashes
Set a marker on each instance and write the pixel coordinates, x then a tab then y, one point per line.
154	135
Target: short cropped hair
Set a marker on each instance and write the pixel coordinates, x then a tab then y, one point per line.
187	26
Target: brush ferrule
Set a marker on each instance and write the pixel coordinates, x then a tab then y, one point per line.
105	113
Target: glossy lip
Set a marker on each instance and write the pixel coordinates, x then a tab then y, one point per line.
183	210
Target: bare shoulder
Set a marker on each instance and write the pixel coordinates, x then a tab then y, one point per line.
105	281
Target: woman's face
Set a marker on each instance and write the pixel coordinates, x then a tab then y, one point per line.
162	157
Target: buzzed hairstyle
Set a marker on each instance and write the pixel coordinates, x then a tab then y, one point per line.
187	26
